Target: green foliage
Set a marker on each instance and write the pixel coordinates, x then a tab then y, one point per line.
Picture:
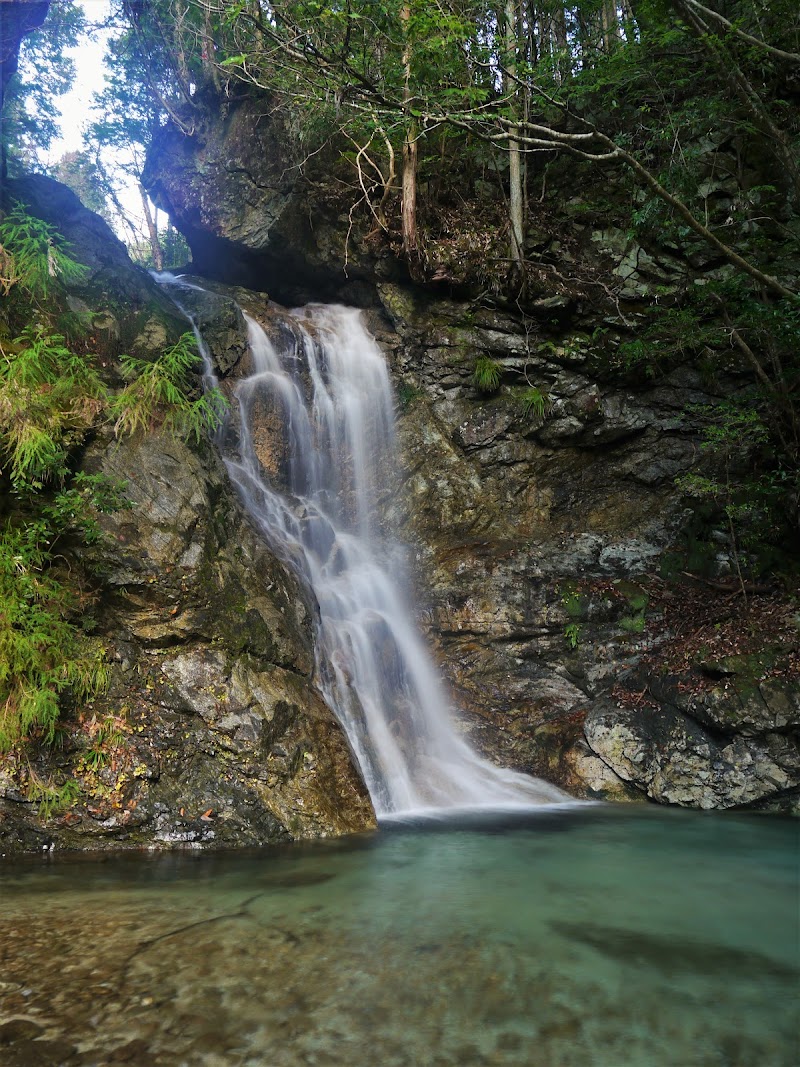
572	634
672	334
81	173
160	391
574	605
42	654
486	374
36	255
535	402
49	397
106	736
174	247
573	602
750	483
51	799
76	509
31	109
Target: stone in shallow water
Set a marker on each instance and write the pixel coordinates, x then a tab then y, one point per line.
38	1053
674	956
676	761
16	1030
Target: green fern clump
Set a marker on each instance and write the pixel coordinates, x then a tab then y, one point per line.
51	799
42	654
34	255
487	374
49	397
160	391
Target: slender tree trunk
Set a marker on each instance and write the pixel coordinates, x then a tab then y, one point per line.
515	197
610	30
208	51
152	231
561	68
628	21
585	42
532	39
409	179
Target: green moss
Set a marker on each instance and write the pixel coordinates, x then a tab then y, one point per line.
635	595
407	394
574	601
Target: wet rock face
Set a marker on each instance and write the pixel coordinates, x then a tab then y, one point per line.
666	753
537	536
534	562
224	739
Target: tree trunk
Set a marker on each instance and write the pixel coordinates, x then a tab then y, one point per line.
152	231
208	51
515	197
561	68
610	28
409	180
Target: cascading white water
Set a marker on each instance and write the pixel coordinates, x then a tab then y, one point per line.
328	391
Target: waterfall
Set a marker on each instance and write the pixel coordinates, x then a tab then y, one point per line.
315	446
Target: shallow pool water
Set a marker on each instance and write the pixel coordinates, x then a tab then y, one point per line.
584	937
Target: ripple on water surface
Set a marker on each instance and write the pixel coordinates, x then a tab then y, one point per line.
586	938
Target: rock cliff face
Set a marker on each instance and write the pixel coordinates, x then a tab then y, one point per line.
541	542
543	513
212	731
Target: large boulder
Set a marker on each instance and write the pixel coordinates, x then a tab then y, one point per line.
252	214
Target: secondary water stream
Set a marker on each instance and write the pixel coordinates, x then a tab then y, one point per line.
314	446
